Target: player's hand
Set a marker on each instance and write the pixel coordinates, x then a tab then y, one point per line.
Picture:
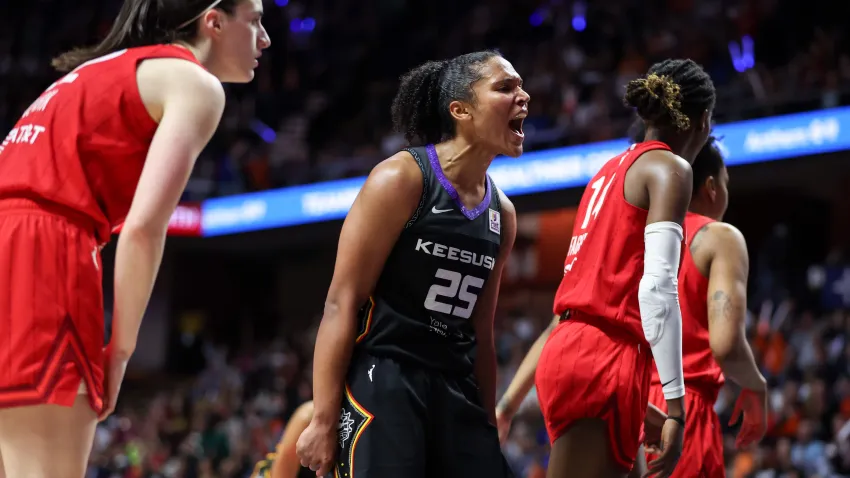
116	366
669	451
503	423
753	404
653	422
317	447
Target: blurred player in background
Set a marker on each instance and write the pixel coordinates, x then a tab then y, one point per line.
283	462
112	142
405	363
618	298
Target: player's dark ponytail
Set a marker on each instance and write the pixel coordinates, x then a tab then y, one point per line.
672	94
145	22
420	109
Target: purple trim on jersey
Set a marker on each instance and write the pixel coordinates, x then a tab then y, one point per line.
447	185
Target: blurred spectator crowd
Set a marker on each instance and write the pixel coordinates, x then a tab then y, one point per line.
319	106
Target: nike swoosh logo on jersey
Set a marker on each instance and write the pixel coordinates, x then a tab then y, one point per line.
668	383
439	211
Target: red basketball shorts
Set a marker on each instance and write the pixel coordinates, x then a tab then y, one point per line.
702	450
51	309
587	372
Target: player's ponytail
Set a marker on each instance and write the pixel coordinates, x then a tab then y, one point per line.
420	109
671	94
145	22
416	107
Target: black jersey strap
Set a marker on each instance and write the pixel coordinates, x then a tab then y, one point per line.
413	152
494	194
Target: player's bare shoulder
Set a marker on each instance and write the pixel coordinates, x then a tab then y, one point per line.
162	80
662	162
724	238
398	173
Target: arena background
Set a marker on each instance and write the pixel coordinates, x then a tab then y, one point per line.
224	353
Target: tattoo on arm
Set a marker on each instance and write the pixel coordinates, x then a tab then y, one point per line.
696	241
720	306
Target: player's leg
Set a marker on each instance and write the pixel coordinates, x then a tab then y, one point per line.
53	342
583	451
382	422
47	441
463	442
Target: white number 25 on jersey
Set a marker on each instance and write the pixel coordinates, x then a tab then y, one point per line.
458	287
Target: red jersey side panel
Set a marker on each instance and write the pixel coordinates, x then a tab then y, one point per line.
604	263
82	144
68	173
702	373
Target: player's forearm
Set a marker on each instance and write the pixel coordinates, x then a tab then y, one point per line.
739	365
334	346
524	377
485	374
727	337
137	260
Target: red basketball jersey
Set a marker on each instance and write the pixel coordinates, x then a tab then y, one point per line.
81	145
604	263
702	373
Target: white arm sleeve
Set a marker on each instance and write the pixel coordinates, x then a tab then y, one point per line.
658	295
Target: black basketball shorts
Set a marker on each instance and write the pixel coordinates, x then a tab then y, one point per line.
401	420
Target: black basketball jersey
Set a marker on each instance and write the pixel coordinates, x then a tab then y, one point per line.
421	307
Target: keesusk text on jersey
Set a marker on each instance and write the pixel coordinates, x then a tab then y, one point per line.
454	254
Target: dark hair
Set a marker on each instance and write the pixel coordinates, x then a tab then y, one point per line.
709	162
142	23
671	94
420	109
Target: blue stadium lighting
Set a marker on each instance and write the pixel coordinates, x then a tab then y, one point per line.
308	24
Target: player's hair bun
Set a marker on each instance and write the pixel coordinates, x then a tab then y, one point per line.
658	100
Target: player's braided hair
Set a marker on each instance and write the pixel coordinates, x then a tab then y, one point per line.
146	22
420	109
671	94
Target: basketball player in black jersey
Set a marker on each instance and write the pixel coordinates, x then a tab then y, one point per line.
405	364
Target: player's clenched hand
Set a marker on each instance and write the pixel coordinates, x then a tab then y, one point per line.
753	404
116	366
317	447
669	453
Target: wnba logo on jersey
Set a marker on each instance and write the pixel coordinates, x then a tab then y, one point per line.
495	222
